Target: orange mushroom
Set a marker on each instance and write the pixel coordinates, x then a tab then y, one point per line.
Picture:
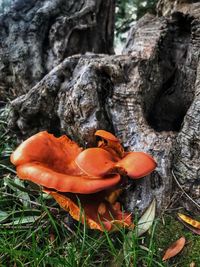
110	143
137	164
49	161
111	158
96	212
45	176
106	135
92	175
95	162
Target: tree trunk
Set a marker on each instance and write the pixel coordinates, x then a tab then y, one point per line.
37	35
168	7
149	97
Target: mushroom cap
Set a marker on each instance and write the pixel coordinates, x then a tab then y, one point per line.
137	164
58	153
95	162
107	219
106	135
45	176
49	162
112	143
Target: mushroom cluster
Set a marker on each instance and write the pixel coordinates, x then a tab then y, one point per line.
92	178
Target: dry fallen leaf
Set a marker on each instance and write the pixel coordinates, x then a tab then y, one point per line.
52	237
146	220
174	249
191	228
191	221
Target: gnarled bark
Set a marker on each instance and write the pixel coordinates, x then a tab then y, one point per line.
35	36
168	7
148	97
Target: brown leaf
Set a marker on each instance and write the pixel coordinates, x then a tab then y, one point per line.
192	264
174	249
52	237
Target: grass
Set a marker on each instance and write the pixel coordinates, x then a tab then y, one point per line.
34	231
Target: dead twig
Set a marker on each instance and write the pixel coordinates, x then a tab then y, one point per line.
184	192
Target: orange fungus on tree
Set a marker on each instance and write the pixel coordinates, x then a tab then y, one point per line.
91	176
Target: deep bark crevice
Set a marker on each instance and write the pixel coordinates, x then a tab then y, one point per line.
105	91
168	109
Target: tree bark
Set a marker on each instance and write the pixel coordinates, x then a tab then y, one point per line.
148	97
35	36
168	7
